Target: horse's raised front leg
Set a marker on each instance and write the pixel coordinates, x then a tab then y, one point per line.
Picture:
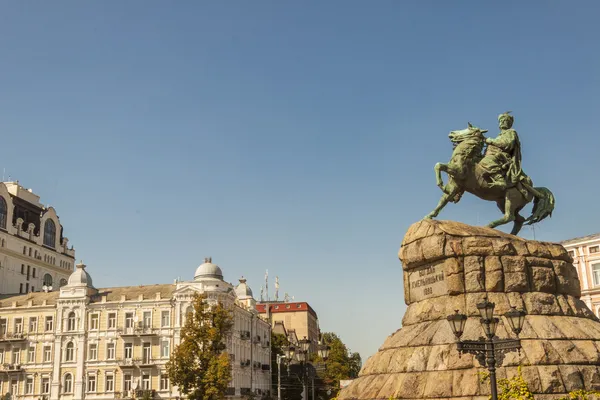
438	168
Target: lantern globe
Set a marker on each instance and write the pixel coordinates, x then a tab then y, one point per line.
486	309
457	323
516	319
289	352
304	344
324	351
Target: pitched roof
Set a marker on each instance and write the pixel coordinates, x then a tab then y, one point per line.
581	239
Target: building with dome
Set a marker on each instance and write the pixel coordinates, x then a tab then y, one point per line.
34	254
83	342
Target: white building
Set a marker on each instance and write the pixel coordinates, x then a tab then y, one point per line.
33	251
86	343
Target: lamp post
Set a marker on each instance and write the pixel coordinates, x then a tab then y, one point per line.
302	355
279	358
488	350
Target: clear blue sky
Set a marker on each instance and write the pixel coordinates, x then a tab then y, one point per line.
298	137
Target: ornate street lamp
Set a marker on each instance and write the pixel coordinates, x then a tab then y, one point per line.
304	344
323	350
489	351
289	352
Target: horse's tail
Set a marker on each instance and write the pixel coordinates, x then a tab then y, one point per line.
543	205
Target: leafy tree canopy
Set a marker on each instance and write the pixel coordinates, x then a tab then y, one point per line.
199	366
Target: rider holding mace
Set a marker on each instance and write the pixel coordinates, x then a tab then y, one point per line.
502	159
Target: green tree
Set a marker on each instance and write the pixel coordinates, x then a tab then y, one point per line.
340	365
199	366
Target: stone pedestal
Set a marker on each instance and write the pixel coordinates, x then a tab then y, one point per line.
451	266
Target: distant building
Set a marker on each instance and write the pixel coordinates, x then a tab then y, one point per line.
80	342
33	251
585	252
296	319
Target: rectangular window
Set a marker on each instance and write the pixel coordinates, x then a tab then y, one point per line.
147	319
596	273
146	381
33	273
94	322
14	387
164	349
33	325
20	288
165	318
49	325
29	386
112	320
47	353
28	271
110	351
164	382
45	385
93	353
129	320
129	351
109	384
22	269
91	383
1	357
594	249
31	354
18	325
16	356
27	288
127	382
3	326
33	289
146	353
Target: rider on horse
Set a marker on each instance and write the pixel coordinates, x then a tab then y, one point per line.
502	159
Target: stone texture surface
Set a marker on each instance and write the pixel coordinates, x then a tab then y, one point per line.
560	338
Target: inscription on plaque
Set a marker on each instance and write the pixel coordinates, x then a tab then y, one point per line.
425	282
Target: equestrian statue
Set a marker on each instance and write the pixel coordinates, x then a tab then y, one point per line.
493	175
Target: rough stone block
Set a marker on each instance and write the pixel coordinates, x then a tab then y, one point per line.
494	281
475	282
433	247
541	304
567	281
514	264
543	279
521	247
538	249
473	264
558	252
515	282
492	263
465	383
477	246
453	247
411	255
503	247
591	377
438	358
439	384
539	262
551	380
452	266
413	386
540	352
455	284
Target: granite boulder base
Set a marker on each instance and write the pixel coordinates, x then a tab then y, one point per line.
452	266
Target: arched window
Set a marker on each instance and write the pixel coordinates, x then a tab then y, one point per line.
68	385
47	280
63	282
50	233
70	352
71	322
3	213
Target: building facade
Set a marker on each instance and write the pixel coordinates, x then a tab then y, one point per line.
85	343
33	251
585	252
297	319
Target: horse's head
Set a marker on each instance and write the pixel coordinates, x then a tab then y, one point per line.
472	132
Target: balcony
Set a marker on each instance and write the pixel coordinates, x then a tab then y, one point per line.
128	362
245	335
265	343
138	331
245	363
230	391
245	391
266	367
256	339
12	337
256	365
146	362
11	367
140	394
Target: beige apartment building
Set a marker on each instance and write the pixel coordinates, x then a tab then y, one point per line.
297	319
34	254
585	252
80	342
